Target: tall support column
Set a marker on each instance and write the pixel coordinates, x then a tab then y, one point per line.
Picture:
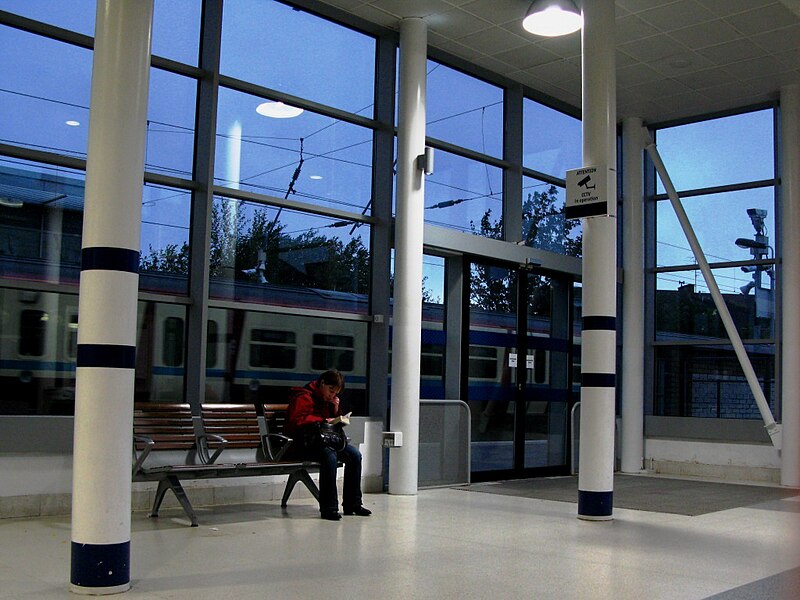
101	490
633	338
790	285
596	462
409	222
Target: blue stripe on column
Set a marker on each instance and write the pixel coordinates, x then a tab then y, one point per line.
100	565
599	323
106	355
595	504
110	259
608	380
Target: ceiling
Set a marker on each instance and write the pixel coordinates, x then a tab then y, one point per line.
675	58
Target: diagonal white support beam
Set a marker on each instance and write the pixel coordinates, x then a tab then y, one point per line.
773	429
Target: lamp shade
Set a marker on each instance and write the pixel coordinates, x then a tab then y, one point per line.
552	18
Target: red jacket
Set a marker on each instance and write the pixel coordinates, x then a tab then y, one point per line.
306	406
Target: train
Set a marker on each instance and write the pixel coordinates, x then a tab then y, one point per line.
251	355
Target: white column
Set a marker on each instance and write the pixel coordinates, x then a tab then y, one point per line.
101	489
598	365
790	285
409	221
633	342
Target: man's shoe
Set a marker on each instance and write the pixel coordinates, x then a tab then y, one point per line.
358	510
331	515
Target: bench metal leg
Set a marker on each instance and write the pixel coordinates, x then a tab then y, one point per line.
303	477
172	483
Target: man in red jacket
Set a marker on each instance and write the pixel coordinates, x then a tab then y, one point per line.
309	407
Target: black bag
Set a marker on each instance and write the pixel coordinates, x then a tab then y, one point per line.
324	435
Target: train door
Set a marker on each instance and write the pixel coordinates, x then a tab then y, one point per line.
516	355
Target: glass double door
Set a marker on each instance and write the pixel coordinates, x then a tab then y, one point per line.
516	370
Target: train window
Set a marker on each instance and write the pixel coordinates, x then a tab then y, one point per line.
540	366
272	349
172	348
211	343
482	362
72	336
32	325
331	351
432	360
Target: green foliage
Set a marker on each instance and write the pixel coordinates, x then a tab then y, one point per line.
257	249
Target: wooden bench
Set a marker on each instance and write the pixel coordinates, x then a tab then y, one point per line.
226	440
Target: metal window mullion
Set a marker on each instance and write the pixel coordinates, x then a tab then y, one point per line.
202	202
512	154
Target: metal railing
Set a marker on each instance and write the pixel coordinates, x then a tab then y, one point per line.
444	443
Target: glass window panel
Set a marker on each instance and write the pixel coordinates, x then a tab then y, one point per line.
170	123
721	151
212	344
176	30
267	43
310	158
543	222
164	262
433	347
45	93
552	142
160	351
277	256
43	382
685	308
464	110
172	342
36	335
707	381
465	194
75	15
41	220
718	221
289	340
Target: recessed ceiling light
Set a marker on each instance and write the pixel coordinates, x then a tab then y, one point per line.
278	110
10	202
315	176
73	123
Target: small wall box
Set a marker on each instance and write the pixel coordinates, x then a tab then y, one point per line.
392	439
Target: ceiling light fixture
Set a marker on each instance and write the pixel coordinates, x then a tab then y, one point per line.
278	110
552	18
72	123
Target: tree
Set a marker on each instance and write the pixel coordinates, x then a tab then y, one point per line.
543	227
257	249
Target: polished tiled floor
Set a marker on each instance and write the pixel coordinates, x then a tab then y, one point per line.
441	544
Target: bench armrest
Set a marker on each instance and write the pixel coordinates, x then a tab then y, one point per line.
202	445
275	454
148	446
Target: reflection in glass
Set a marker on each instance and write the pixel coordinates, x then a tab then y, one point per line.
718	221
543	222
492	343
38	350
552	141
258	356
707	381
267	43
41	219
277	256
698	155
310	158
164	261
464	110
45	84
170	124
684	306
434	342
466	195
